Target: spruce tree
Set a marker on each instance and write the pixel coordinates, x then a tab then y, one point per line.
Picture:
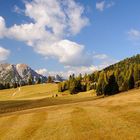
131	82
60	87
112	86
50	80
101	83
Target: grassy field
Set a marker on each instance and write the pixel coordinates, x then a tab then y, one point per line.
29	92
35	114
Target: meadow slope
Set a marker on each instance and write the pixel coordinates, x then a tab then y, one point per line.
83	117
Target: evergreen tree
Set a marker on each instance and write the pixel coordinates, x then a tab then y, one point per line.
50	80
136	73
72	86
15	85
60	87
7	85
101	83
112	86
39	80
93	77
88	87
70	77
79	77
1	86
30	82
131	82
124	86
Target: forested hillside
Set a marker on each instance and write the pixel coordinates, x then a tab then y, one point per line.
116	78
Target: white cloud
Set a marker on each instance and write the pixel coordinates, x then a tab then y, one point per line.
102	60
46	72
4	53
59	16
27	32
52	22
82	70
134	34
102	5
76	20
42	71
100	56
2	27
67	52
110	4
68	71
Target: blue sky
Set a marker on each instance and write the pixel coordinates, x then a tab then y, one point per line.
55	36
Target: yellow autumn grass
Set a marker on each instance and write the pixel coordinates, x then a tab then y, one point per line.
32	92
78	117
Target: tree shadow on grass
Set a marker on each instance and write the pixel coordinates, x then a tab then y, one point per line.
19	105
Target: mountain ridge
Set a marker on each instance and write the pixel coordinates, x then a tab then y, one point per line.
19	73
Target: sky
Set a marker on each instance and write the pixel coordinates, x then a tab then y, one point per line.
68	36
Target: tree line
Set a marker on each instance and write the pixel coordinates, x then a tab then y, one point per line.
116	78
30	81
15	84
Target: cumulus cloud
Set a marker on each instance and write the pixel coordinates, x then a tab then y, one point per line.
102	5
4	53
68	71
52	22
60	16
134	34
67	52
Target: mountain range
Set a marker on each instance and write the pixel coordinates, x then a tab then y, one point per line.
10	73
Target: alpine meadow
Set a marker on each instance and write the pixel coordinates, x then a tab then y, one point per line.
69	70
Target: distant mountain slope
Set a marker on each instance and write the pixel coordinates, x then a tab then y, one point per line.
10	73
125	72
126	63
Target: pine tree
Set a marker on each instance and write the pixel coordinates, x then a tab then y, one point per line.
88	87
136	73
131	82
72	86
101	83
112	86
30	82
39	80
124	86
79	77
1	86
50	80
60	87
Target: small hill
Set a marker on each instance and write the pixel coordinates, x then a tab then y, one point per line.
122	76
